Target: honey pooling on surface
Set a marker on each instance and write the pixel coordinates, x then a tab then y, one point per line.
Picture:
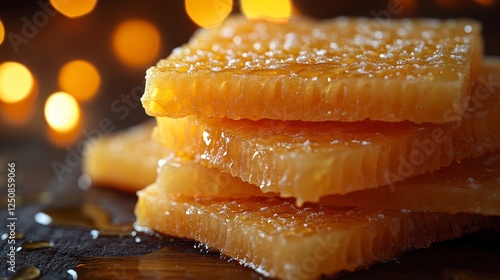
278	239
310	160
35	245
472	186
343	69
27	273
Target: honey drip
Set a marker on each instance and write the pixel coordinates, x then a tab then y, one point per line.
35	245
27	273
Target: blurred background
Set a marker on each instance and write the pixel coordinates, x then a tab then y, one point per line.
74	69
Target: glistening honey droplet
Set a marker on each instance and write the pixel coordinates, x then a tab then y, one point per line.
17	236
35	245
72	273
27	273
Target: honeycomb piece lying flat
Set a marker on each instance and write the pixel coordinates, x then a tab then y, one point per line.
472	186
278	239
289	157
125	160
345	69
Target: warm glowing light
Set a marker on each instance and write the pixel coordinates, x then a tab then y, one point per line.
136	42
21	112
74	8
408	7
480	2
208	13
62	112
276	9
2	32
16	82
80	78
17	114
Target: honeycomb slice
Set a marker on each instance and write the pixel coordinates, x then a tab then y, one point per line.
472	186
278	239
288	157
345	69
112	160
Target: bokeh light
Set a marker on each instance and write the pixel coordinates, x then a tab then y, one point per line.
274	10
22	112
62	112
208	13
16	82
408	7
2	32
136	42
79	78
74	8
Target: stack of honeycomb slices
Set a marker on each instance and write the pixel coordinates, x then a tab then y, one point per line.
308	148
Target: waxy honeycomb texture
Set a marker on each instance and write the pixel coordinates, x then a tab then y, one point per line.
345	69
278	239
310	160
472	186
